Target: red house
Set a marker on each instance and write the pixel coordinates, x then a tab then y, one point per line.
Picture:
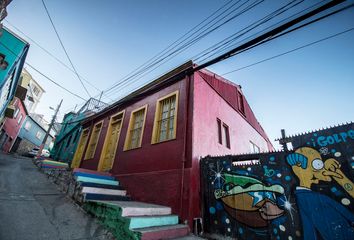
152	139
12	126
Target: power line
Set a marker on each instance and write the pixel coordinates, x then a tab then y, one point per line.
35	69
225	43
290	51
49	53
173	44
187	45
54	82
267	18
276	32
66	53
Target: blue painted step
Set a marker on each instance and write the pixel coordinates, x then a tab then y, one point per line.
95	196
97	180
91	175
152	221
98	185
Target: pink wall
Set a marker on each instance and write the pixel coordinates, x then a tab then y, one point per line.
12	126
208	106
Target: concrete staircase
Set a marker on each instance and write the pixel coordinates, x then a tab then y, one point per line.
102	196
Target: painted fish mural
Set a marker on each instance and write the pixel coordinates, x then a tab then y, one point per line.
249	201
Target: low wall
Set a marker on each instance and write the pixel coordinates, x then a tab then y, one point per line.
307	193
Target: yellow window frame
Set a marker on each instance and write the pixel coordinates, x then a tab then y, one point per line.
109	131
156	129
78	156
87	156
128	138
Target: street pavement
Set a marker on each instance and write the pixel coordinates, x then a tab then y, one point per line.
31	207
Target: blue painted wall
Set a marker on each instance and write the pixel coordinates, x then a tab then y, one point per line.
67	139
31	132
15	50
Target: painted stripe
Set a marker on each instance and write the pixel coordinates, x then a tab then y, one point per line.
103	191
83	170
143	222
95	196
99	185
54	162
96	180
93	175
51	166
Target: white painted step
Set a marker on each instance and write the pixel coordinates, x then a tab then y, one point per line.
103	191
132	208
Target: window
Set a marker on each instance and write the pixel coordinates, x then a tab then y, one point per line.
165	123
254	148
39	135
16	112
223	133
27	125
19	119
226	135
241	105
135	129
80	149
91	149
110	144
36	90
219	130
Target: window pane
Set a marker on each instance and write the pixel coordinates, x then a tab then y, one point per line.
166	125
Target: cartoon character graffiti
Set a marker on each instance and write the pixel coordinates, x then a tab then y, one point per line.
249	201
319	213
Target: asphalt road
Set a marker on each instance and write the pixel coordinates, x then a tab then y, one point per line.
31	207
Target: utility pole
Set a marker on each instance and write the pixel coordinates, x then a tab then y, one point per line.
48	131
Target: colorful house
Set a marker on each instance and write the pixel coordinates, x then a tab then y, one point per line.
13	51
12	126
152	140
67	139
31	135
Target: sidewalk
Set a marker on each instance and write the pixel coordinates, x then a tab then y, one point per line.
32	208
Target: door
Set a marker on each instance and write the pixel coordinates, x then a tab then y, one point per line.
16	145
111	142
80	148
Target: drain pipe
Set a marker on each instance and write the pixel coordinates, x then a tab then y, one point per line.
184	157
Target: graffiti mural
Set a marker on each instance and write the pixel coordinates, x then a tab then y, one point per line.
306	193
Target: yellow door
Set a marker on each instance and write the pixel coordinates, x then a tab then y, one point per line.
80	149
111	142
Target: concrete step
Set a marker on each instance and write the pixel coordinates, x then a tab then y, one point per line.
96	180
132	208
103	191
99	185
83	170
91	175
163	232
152	221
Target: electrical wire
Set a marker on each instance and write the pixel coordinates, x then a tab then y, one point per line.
66	53
48	78
54	82
188	44
289	51
48	52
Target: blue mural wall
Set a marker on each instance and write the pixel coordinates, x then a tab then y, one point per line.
307	193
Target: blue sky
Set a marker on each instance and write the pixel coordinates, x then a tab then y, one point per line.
106	40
